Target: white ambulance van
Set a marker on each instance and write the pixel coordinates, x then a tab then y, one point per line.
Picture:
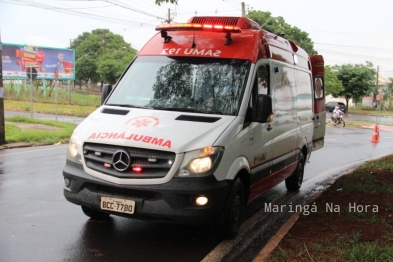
209	115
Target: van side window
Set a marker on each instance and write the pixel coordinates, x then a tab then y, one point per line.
319	88
304	92
263	80
261	85
285	89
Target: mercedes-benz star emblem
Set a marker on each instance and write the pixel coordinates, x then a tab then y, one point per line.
121	160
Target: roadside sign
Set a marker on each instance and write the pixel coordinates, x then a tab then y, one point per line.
378	97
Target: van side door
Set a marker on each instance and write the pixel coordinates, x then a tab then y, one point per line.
260	134
285	117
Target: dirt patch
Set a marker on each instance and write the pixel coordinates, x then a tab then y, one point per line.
351	217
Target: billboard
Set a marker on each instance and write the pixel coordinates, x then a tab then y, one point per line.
45	62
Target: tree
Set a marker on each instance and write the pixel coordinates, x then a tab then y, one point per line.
112	65
387	93
101	56
278	26
390	86
357	80
333	86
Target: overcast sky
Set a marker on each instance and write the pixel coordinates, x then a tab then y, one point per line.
343	31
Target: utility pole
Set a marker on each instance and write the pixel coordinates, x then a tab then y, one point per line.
169	15
378	102
243	9
377	77
2	127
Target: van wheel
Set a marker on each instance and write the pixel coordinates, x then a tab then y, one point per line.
232	218
294	182
94	214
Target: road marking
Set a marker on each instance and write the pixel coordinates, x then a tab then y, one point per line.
40	150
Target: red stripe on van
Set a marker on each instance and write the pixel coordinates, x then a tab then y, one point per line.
271	181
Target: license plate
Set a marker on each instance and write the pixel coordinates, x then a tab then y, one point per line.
118	205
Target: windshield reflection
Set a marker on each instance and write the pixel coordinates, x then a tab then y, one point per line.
212	86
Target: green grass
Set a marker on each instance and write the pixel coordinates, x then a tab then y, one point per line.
358	250
370	112
67	110
15	134
77	103
364	182
370	179
382	163
63	98
349	248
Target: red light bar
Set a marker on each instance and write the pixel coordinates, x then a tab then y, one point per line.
198	27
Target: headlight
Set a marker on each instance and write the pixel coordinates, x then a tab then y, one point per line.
200	165
73	153
202	162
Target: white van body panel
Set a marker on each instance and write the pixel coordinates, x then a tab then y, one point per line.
175	136
235	139
169	134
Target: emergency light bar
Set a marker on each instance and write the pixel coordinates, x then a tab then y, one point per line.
199	27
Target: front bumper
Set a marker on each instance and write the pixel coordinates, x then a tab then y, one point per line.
172	201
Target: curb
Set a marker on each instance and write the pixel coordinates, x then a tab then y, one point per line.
276	239
21	145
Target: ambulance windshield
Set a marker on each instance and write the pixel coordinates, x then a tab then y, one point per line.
186	84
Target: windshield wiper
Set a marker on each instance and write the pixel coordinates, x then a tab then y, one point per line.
128	105
177	109
214	112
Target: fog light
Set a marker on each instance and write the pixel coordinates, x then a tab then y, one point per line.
67	182
201	201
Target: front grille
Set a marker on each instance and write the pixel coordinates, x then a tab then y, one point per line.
154	163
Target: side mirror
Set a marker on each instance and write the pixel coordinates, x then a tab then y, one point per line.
264	109
106	89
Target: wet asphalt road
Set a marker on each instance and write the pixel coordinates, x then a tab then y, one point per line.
38	224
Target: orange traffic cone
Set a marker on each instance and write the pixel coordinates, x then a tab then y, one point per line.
376	129
375	137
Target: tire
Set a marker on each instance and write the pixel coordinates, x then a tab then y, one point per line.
342	123
231	219
294	182
95	214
